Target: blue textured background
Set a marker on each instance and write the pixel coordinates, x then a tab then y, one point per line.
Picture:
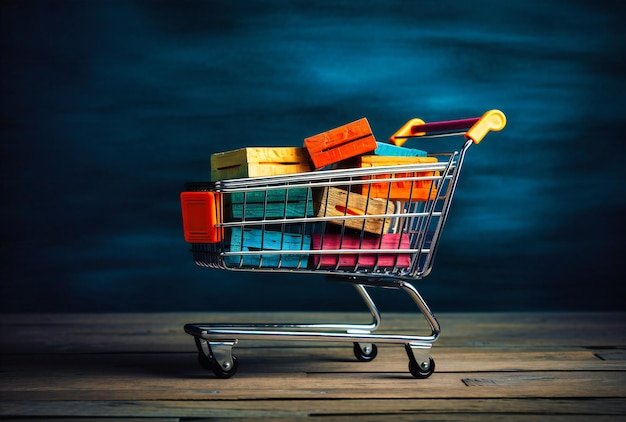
108	107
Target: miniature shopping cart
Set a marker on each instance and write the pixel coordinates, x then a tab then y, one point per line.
369	224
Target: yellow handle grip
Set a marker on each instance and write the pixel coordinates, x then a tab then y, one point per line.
493	120
405	131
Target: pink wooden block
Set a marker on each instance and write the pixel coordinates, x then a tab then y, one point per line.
366	260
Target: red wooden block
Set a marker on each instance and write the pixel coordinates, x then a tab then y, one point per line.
337	244
346	141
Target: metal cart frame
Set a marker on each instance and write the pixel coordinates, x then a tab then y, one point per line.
421	220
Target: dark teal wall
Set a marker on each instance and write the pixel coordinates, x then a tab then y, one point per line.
108	107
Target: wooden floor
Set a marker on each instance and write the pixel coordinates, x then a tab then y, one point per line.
490	366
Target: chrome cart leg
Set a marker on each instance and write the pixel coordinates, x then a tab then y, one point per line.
423	307
421	365
205	356
366	352
369	302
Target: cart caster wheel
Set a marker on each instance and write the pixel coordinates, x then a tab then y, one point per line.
366	353
421	370
222	372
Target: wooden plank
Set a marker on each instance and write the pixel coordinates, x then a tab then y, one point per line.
341	143
431	409
393	359
336	359
267	376
610	354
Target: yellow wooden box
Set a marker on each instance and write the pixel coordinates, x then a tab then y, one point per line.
258	162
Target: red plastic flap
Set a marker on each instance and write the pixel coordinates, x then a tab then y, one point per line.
202	211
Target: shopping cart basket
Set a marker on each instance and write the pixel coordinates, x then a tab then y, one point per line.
371	226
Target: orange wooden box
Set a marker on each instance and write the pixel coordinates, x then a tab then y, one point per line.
336	145
407	190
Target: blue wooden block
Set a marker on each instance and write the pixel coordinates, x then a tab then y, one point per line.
248	239
273	203
396	151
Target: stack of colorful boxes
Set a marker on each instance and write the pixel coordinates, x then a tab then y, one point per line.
348	146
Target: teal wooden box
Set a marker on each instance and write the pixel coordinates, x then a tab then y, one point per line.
396	151
273	203
249	240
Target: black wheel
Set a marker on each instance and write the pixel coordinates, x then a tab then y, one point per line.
421	370
220	372
366	355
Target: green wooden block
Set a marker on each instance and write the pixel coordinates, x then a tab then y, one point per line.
247	239
273	203
396	151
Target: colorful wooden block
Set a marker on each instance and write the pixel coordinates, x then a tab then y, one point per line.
347	260
338	144
257	162
335	202
396	151
403	190
272	203
248	239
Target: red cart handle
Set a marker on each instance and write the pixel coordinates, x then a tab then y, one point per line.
477	127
